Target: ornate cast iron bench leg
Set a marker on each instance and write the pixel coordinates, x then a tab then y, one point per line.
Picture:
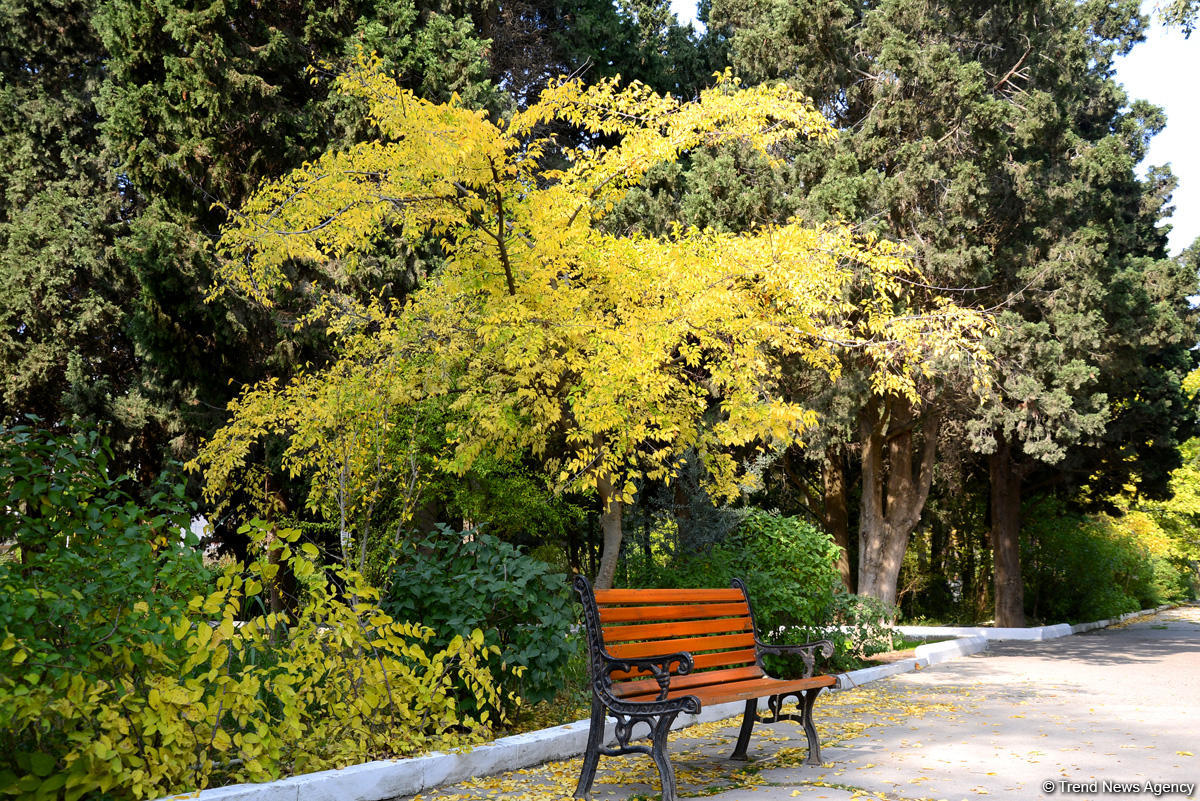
810	730
660	727
806	699
591	755
666	773
743	740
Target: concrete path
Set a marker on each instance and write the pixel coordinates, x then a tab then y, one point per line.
1101	715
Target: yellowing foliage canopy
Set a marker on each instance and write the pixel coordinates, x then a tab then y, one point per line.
605	355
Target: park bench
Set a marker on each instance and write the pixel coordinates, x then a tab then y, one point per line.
656	653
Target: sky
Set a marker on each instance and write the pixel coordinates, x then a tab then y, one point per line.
1165	70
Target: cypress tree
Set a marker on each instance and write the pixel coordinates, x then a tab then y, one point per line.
994	139
122	125
66	356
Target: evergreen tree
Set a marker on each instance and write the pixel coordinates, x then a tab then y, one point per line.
201	105
533	41
994	140
65	353
122	124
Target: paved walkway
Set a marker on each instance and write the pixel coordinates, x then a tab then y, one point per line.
1111	713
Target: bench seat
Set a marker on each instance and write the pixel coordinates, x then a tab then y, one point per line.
724	692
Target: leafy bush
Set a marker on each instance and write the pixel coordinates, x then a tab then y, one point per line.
459	581
225	701
93	569
572	699
114	684
789	567
1080	568
1171	571
858	626
787	563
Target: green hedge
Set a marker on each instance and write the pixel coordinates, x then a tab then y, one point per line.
126	674
789	566
1079	568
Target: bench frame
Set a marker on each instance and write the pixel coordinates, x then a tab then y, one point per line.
660	713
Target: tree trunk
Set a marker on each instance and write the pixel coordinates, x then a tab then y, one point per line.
610	526
1006	537
871	523
939	543
836	511
892	497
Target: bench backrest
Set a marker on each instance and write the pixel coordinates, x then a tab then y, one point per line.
715	625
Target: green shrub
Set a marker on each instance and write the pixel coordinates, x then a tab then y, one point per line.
572	698
787	563
114	684
226	701
857	625
459	581
93	569
1084	567
789	567
1171	570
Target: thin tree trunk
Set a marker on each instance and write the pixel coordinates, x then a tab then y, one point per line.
1006	537
871	533
968	571
647	546
892	498
610	526
275	596
938	545
836	511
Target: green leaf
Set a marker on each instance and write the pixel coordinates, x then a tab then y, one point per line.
42	764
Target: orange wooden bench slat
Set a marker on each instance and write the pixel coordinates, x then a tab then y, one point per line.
723	659
628	614
702	661
661	647
743	690
715	595
627	689
673	629
757	688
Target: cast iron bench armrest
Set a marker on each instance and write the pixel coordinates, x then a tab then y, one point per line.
656	708
658	667
807	651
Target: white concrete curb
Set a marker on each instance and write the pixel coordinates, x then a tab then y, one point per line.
1079	628
373	781
942	651
857	678
389	778
1036	633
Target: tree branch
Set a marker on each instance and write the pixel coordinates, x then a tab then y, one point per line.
504	261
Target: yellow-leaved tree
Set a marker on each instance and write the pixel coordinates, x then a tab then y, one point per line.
606	356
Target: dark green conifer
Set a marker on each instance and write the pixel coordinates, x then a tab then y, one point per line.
994	140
